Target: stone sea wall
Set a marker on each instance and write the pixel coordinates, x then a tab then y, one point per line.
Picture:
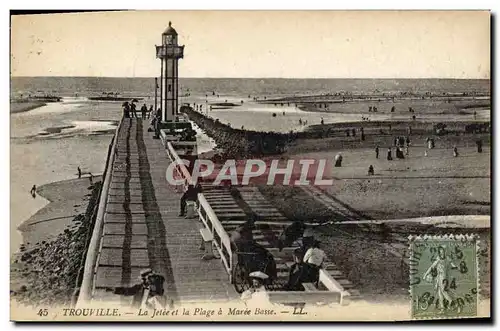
238	143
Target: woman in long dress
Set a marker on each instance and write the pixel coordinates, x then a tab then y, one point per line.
441	265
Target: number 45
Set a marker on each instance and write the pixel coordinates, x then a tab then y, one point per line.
43	312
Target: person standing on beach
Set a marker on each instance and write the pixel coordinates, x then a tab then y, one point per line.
376	152
389	154
338	160
79	173
455	151
33	191
371	171
91	178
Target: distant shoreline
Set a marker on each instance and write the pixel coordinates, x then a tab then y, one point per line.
20	107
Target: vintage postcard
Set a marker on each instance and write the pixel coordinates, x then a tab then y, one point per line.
250	166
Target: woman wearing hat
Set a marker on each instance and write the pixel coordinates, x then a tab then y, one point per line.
257	291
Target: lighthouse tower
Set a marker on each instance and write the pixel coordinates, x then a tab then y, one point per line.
169	53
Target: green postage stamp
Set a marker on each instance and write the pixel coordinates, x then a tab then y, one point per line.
443	276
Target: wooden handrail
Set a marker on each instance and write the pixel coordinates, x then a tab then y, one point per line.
87	286
210	214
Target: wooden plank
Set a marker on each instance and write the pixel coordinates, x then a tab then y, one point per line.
309	287
315	297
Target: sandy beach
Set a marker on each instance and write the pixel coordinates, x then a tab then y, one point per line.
54	241
429	188
67	199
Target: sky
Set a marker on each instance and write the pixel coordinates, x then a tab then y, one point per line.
288	44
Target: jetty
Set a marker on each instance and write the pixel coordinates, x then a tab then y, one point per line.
138	225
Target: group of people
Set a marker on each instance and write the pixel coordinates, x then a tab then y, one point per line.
349	132
308	261
130	110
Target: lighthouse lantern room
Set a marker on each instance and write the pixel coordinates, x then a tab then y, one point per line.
169	52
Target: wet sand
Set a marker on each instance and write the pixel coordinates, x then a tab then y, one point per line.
45	271
68	199
19	107
418	186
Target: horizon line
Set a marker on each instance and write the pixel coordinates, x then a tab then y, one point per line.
151	77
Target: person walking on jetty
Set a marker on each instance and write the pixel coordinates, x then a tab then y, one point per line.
347	132
79	173
150	111
133	110
91	178
126	110
322	121
353	132
362	134
376	152
479	145
144	110
33	191
455	151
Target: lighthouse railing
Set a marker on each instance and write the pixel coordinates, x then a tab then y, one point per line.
206	214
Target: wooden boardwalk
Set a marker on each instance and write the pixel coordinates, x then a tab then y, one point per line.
142	229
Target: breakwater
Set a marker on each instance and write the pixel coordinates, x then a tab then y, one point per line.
238	143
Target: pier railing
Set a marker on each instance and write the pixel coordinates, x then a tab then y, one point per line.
87	285
206	214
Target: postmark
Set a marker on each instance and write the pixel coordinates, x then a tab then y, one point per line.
444	281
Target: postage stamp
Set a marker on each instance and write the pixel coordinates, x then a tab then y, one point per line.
444	280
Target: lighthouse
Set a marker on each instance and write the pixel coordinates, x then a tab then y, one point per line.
169	52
